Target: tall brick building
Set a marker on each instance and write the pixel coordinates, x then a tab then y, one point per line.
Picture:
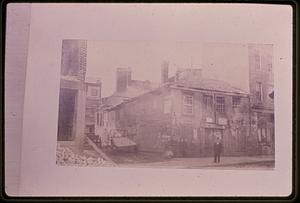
261	83
72	96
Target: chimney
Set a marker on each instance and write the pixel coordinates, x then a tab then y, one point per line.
178	75
164	72
123	79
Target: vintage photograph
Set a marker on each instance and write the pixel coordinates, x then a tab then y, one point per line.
149	99
166	104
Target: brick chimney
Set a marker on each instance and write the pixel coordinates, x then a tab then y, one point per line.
164	72
123	79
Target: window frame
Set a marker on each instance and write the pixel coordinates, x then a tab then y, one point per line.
186	105
257	60
218	109
168	101
206	105
234	104
94	90
259	90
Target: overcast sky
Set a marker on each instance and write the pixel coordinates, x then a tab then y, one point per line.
141	36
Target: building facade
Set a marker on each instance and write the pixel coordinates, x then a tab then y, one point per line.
185	115
93	98
72	96
126	89
262	102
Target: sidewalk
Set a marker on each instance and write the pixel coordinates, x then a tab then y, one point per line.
203	162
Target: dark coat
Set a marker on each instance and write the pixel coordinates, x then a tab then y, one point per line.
218	147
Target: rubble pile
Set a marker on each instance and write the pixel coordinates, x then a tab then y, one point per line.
66	157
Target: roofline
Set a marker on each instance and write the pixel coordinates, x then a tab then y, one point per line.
210	90
93	84
137	97
174	87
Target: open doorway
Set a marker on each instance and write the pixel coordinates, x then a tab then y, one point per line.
66	116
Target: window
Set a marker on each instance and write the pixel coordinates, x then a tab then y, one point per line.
188	104
257	61
262	137
90	129
167	106
101	119
259	95
208	101
220	104
270	67
94	92
98	119
236	101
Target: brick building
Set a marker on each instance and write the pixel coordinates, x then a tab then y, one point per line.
261	85
72	95
79	97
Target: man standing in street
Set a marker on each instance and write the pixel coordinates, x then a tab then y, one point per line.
217	150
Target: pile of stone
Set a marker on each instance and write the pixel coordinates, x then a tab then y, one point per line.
66	157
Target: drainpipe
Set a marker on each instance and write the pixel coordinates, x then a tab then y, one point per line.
250	123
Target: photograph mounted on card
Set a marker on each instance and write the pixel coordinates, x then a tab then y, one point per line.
113	114
151	99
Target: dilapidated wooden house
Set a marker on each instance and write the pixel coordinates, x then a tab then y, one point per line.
185	114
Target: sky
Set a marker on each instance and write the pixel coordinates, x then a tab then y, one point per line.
141	37
145	58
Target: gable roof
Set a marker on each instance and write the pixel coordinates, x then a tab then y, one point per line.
136	88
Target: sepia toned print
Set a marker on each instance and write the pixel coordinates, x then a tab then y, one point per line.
209	106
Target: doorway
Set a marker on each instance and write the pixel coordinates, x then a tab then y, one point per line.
66	115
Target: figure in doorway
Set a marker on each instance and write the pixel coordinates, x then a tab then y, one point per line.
218	147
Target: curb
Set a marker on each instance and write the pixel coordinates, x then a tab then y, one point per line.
234	164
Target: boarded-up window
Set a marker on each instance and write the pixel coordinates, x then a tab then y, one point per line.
208	101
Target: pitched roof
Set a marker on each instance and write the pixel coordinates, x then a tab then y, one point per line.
210	84
136	88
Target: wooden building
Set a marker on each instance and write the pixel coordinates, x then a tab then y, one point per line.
184	114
